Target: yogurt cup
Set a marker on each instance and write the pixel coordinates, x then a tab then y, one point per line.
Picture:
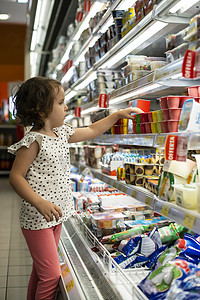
174	113
164	126
150	118
142	128
154	127
173	101
173	125
148	127
163	103
165	113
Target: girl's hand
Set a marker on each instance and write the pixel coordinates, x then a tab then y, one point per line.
48	210
127	112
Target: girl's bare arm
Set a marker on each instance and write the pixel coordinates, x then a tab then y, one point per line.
23	160
99	127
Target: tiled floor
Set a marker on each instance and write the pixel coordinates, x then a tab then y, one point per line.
15	260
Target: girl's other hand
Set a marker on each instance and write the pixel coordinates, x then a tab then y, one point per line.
48	210
127	113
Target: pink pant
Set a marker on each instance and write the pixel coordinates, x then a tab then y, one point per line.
46	272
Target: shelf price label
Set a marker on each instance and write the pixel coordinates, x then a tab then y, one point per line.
160	141
148	201
115	184
165	210
101	177
109	181
189	221
134	193
124	189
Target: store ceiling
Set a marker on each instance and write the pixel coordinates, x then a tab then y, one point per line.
16	11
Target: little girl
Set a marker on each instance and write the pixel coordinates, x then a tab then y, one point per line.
41	174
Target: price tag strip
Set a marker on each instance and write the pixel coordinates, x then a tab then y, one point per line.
165	210
189	220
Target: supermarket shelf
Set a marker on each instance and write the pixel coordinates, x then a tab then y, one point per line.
156	140
141	28
189	219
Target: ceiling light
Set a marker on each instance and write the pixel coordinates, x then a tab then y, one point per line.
22	1
4	17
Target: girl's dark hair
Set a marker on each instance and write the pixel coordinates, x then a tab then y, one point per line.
34	100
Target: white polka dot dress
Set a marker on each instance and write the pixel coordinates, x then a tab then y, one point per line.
48	176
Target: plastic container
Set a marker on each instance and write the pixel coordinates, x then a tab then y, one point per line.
163	103
174	113
159	129
138	118
142	128
159	115
173	125
148	127
186	196
183	99
165	113
154	127
164	126
154	116
193	91
134	129
144	117
173	101
150	118
138	130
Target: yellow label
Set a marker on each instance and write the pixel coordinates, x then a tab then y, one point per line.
148	201
160	140
189	221
65	271
115	184
165	210
70	285
109	181
134	193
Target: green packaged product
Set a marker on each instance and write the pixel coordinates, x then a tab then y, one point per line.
171	233
128	233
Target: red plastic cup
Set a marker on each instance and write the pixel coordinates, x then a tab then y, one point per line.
142	128
148	127
173	101
173	125
165	113
164	126
183	99
163	102
174	113
144	117
193	91
134	129
150	118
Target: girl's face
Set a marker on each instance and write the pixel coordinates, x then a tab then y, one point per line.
58	113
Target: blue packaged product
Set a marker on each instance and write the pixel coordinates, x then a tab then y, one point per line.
157	283
132	261
153	258
188	288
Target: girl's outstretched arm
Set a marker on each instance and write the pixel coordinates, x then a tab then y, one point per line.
22	162
99	127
